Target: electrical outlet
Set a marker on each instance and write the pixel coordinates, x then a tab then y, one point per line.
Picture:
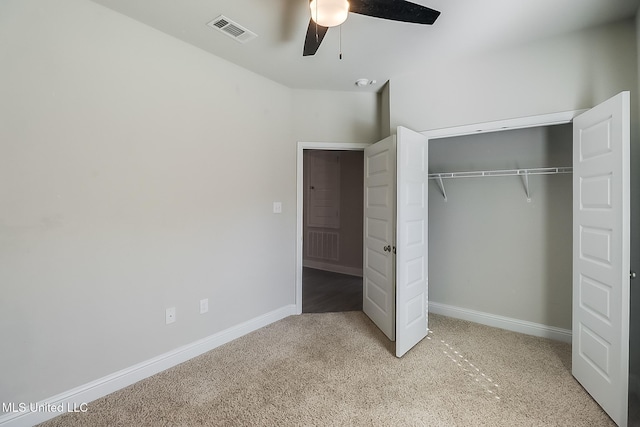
170	315
204	305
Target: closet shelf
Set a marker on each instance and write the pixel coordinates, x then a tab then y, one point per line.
503	172
524	173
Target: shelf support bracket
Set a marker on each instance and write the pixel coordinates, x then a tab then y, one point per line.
441	185
525	180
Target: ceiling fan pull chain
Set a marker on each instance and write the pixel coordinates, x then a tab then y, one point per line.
340	42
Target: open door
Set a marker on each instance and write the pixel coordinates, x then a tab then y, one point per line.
601	255
412	228
395	237
378	295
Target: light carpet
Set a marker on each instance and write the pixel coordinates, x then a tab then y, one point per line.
338	369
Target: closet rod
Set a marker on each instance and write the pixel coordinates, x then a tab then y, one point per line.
503	172
524	173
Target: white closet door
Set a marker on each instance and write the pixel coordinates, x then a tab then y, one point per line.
601	254
378	300
412	242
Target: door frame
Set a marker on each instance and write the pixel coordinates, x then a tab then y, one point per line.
551	119
335	146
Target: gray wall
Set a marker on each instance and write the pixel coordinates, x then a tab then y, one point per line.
568	72
130	183
351	201
385	112
489	249
332	116
137	173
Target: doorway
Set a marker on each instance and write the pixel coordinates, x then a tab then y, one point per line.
329	241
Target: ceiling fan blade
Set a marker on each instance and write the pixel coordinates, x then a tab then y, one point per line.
398	10
315	34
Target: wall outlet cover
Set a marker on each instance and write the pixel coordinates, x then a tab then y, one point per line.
170	315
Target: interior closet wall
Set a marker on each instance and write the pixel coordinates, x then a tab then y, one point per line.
491	250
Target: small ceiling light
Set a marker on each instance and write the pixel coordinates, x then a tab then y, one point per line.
329	13
364	82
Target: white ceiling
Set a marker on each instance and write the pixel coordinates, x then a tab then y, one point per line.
372	48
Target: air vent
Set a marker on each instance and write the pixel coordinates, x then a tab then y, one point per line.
232	29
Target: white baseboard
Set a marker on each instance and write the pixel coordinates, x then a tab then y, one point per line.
75	398
515	325
342	269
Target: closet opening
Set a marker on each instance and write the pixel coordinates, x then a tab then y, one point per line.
505	263
500	242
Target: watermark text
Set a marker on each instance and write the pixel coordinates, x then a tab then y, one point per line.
23	407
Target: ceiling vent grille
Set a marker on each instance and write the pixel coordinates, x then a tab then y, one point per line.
232	29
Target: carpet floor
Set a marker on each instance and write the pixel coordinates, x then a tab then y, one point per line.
338	369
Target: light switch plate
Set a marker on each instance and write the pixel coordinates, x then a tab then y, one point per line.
204	305
277	207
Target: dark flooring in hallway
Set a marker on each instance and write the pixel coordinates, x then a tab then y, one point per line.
325	291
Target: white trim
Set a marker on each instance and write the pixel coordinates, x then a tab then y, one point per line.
508	124
118	380
510	324
334	268
347	146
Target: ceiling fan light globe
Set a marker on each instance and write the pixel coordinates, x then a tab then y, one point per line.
329	13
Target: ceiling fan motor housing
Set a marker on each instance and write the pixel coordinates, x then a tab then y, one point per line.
329	13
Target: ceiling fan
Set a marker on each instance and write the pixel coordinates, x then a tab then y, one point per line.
330	13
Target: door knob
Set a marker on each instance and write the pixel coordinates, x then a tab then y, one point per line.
387	248
632	274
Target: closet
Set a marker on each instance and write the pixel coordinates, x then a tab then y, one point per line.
490	254
531	247
500	233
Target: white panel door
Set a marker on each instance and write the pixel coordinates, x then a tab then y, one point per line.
378	299
601	254
411	239
323	180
